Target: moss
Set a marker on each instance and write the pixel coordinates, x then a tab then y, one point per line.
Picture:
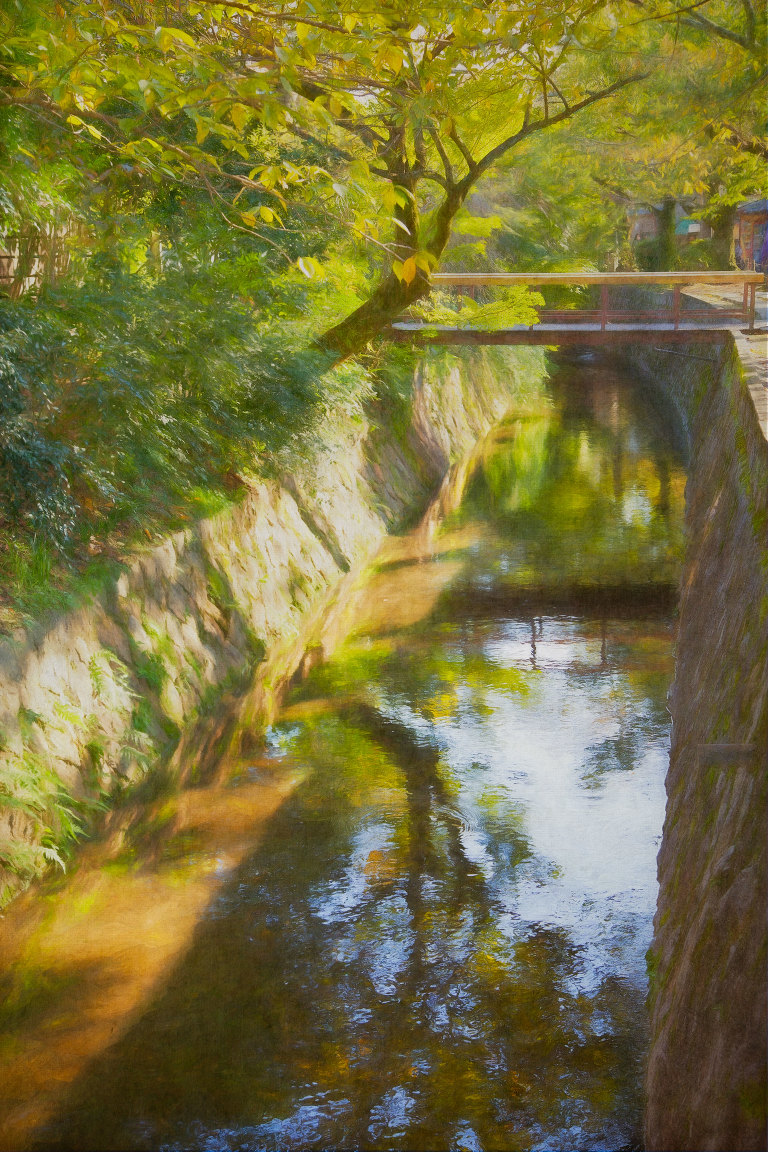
257	648
237	680
143	716
154	827
164	646
170	728
752	1101
220	592
194	664
31	995
299	587
151	669
95	749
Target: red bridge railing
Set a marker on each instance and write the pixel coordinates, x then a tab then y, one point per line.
674	312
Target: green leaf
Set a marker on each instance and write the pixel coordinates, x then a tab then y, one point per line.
240	115
164	39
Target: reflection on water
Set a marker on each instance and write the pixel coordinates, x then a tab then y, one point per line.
439	941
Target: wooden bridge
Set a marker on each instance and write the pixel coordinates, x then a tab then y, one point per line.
675	315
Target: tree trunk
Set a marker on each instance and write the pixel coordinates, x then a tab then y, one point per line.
721	222
666	250
392	296
384	305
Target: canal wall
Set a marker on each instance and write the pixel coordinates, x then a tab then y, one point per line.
706	1076
210	623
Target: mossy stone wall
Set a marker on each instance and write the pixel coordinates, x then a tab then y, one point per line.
706	1078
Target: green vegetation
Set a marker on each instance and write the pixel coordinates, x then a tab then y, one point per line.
205	205
136	399
586	507
33	794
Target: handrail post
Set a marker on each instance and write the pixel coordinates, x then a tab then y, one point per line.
752	291
676	306
603	306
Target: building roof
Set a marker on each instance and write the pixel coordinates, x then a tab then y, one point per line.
753	206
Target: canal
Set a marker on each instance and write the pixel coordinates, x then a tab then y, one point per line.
438	939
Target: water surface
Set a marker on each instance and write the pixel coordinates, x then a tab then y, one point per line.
439	941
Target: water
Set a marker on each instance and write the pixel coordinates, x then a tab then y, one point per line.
438	941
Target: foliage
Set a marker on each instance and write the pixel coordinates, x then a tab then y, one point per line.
509	306
32	791
406	107
207	204
693	133
137	392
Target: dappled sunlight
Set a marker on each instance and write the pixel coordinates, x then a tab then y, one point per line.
85	954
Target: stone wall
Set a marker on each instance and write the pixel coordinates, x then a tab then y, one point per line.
706	1079
131	684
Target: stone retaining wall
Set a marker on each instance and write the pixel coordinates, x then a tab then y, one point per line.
706	1079
111	693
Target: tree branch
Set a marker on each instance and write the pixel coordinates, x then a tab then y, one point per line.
537	125
469	159
616	192
674	12
280	17
447	167
435	177
697	20
754	145
419	149
311	92
340	153
559	93
749	16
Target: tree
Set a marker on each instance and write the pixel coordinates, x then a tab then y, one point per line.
429	98
670	140
408	104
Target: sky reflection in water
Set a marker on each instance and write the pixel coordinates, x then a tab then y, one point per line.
440	942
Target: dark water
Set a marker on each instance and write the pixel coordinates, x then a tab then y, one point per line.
439	943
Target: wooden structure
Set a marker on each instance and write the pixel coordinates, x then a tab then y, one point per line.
751	225
610	322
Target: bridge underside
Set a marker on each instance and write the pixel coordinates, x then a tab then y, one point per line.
551	334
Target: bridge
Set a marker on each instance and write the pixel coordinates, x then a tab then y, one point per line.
621	316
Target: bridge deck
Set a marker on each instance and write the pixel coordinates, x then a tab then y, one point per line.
609	279
576	333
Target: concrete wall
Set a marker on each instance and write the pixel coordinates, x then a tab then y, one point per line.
131	685
706	1079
